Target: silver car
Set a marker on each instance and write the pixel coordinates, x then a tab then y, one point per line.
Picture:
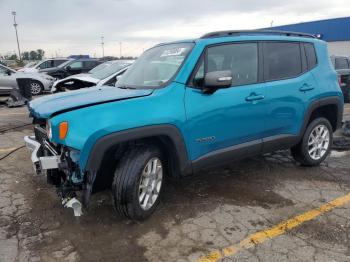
40	82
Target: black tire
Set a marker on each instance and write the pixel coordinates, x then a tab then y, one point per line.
300	151
38	87
125	187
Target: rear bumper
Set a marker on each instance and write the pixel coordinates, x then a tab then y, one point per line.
39	161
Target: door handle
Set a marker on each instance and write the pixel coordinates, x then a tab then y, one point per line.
306	87
254	97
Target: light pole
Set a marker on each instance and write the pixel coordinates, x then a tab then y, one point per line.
103	49
271	24
15	25
120	49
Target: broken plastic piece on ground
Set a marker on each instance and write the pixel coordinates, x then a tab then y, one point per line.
75	204
346	129
341	144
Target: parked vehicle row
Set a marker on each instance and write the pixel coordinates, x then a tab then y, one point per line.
44	64
71	67
105	74
185	106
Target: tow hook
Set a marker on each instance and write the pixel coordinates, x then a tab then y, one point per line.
73	203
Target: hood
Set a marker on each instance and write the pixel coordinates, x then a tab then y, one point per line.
46	106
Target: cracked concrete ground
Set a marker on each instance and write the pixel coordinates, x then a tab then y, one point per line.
198	214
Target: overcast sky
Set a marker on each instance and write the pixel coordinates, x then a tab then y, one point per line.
64	27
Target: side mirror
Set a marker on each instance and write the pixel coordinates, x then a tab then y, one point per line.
218	79
68	68
8	72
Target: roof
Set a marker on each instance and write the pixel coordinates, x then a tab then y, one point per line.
330	30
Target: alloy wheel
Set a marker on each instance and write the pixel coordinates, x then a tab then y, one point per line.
318	142
150	183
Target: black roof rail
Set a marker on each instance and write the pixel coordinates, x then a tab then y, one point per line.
255	32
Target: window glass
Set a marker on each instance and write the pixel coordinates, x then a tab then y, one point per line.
241	59
341	63
76	65
310	55
90	64
282	60
156	66
58	62
44	65
3	70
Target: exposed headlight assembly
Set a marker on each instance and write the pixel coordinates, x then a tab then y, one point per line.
49	129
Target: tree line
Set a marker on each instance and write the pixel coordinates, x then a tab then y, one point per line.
27	55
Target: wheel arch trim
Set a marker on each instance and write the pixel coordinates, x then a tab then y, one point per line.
104	143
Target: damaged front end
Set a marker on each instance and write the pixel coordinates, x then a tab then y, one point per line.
59	163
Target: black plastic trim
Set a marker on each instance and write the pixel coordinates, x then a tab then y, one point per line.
172	132
225	155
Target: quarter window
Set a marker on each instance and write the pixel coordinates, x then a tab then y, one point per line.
310	55
282	60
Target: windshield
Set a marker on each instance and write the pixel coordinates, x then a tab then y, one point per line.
156	66
107	70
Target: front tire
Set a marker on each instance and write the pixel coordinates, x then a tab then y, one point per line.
36	88
316	143
138	181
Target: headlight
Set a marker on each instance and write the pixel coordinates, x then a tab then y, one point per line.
49	129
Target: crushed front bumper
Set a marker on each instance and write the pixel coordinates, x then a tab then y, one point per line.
40	162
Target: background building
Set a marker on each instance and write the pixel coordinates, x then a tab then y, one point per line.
335	31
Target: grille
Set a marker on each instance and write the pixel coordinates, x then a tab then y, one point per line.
40	134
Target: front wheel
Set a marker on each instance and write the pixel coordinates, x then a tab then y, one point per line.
316	143
36	88
138	182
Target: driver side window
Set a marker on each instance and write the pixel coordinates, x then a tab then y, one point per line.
239	58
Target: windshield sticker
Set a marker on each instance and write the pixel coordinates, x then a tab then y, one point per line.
173	52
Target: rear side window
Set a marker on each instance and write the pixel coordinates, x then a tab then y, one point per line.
341	63
282	60
310	55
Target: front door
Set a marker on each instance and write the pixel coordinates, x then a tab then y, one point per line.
230	116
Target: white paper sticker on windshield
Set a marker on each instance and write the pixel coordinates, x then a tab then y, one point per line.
173	52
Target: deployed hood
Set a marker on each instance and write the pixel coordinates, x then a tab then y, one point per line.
82	77
46	106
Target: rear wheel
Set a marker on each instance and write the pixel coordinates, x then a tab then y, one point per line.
316	143
138	182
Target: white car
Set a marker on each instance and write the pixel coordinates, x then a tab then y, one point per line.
103	74
43	64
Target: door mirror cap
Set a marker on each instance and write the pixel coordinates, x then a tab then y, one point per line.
218	79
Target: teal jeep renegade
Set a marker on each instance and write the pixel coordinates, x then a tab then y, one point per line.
186	106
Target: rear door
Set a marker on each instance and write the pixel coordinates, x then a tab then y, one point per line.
289	87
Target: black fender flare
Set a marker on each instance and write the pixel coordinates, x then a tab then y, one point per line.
333	100
104	143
